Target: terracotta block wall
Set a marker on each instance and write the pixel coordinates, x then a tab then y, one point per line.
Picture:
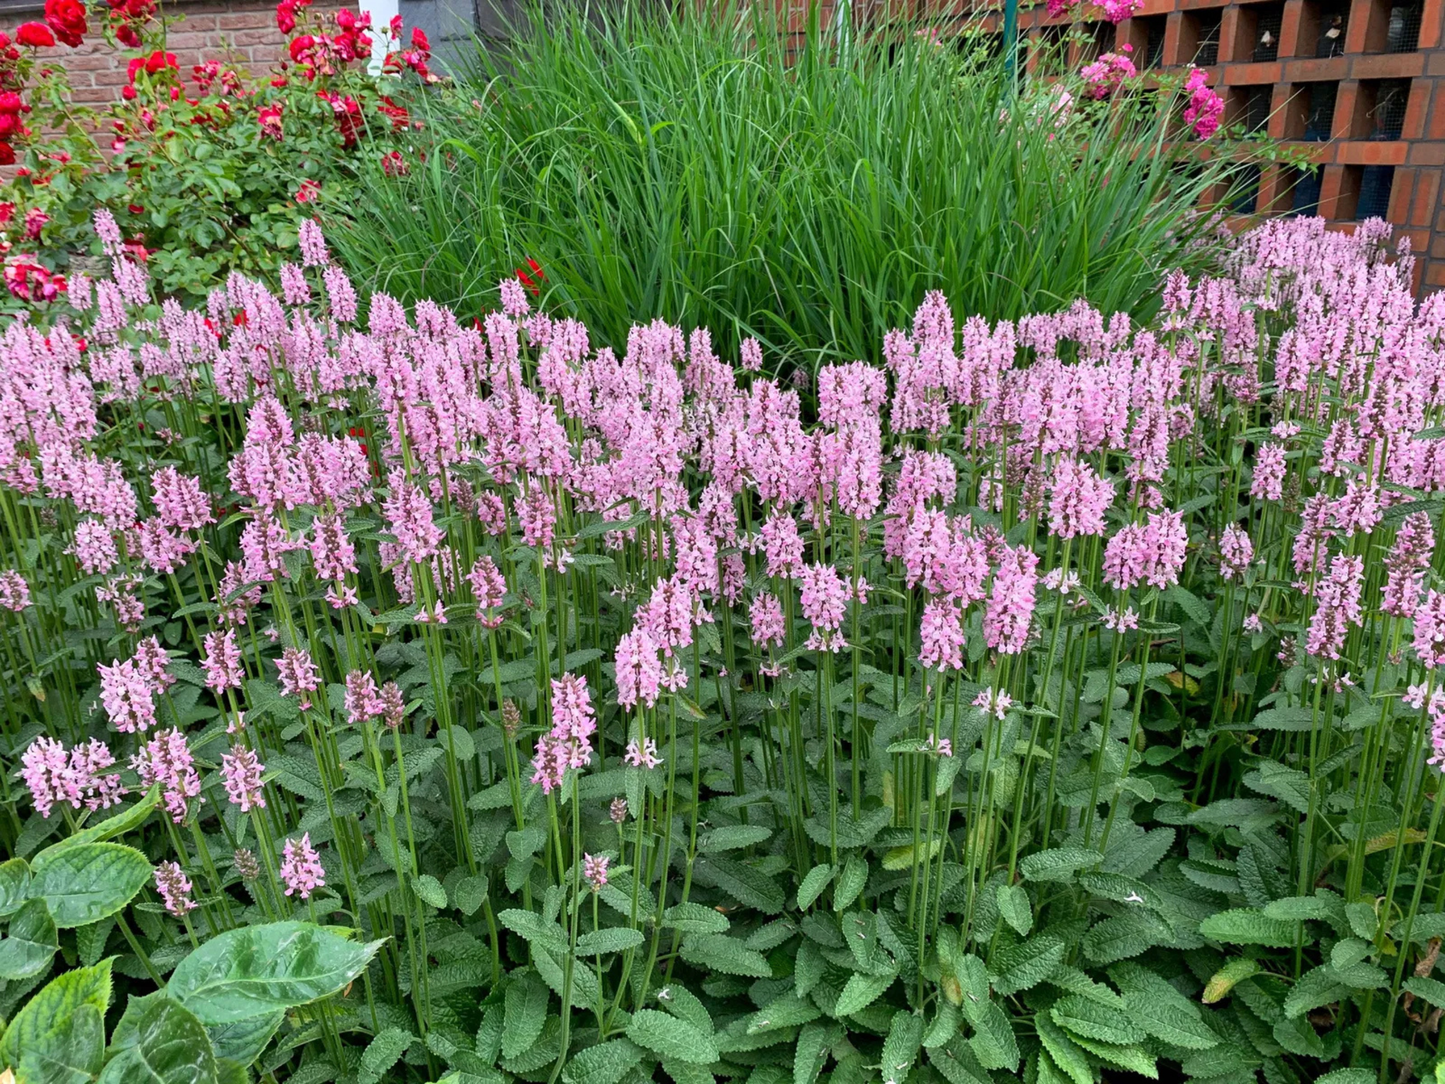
1365	104
242	32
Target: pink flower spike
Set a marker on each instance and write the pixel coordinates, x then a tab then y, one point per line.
301	867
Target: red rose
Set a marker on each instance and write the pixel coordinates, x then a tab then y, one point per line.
286	16
158	61
67	19
300	46
7	154
11	103
418	40
35	35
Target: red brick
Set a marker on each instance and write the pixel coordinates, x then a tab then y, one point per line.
1388	66
1372	154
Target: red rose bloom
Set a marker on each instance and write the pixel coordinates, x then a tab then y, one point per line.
35	35
7	154
67	19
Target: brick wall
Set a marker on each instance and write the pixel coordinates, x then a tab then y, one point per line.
242	32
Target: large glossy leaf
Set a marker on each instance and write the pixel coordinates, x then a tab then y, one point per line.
29	943
59	1037
259	969
163	1043
243	1040
86	882
14	880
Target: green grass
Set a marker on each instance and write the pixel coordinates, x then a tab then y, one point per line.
688	168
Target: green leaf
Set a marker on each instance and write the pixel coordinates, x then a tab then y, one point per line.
749	886
786	1011
524	1013
850	882
126	820
1084	1018
1316	987
726	955
1057	863
163	1044
30	942
993	1041
1125	936
670	1037
813	884
384	1051
900	1048
1013	905
695	918
86	882
429	890
1348	1076
1161	1010
539	934
1066	1053
1290	785
258	969
14	882
1226	978
59	1035
606	1063
1027	964
860	992
1248	926
732	837
243	1040
1431	990
1120	889
469	894
811	1053
609	939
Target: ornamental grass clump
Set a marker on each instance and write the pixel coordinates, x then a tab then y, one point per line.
702	166
426	698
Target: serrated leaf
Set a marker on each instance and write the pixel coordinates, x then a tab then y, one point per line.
695	918
384	1051
788	1010
1027	964
14	883
429	890
86	882
1120	889
728	955
29	943
1315	987
1226	978
1067	1054
813	884
524	1013
732	837
1057	863
1013	905
252	970
850	883
606	1063
860	991
900	1048
118	824
1431	990
1083	1018
529	925
670	1037
58	1035
163	1044
1248	926
469	894
811	1053
908	856
1290	785
1125	936
993	1041
609	939
243	1040
747	885
1161	1010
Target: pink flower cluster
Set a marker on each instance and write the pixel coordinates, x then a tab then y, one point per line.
568	744
78	779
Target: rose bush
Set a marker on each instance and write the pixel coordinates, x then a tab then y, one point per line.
208	170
